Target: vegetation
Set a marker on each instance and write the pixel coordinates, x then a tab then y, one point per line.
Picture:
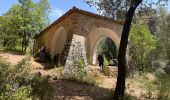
106	7
163	35
79	73
23	20
110	8
142	43
150	85
108	48
149	49
16	83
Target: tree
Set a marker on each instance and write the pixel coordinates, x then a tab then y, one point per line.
120	85
26	19
142	44
34	17
163	34
9	37
115	9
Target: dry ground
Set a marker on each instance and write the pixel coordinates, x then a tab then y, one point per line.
67	90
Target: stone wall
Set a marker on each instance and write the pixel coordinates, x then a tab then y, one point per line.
46	37
84	24
76	52
81	25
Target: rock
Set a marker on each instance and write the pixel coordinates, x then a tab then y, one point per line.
54	76
77	51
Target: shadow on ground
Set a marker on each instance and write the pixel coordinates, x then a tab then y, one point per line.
68	90
45	65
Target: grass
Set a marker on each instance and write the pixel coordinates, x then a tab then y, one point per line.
81	77
154	85
16	50
18	84
148	85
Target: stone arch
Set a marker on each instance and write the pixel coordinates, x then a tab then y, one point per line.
95	36
58	41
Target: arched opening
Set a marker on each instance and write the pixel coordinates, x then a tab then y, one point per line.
107	48
58	41
97	35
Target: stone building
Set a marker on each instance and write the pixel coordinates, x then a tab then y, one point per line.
75	35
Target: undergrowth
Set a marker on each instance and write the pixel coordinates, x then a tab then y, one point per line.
154	85
16	83
80	74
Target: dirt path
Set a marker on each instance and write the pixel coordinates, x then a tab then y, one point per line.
13	59
66	90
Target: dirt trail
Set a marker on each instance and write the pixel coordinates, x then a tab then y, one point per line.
38	67
12	57
65	90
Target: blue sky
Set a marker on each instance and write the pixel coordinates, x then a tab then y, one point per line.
58	7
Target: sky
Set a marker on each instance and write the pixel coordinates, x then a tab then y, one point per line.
58	7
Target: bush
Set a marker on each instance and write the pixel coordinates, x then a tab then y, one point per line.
17	84
10	86
163	86
22	93
106	63
153	85
41	87
79	74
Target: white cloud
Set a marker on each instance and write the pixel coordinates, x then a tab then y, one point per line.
56	13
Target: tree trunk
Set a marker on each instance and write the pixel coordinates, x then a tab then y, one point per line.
5	42
22	43
120	85
26	44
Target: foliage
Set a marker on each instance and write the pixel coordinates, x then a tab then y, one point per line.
111	8
105	63
107	47
142	44
120	85
117	9
11	86
163	86
163	34
9	38
22	21
151	85
16	50
41	87
79	74
16	83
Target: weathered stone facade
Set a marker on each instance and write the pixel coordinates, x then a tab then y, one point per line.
76	52
78	23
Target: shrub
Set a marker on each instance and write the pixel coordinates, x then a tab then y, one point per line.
10	86
41	87
17	84
163	86
79	74
106	63
22	93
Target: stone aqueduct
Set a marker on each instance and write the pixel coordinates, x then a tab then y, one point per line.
91	28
